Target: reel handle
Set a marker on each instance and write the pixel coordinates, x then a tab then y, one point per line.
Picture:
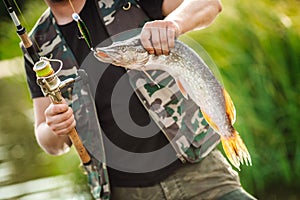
51	86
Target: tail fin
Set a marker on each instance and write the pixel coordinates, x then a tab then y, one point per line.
235	150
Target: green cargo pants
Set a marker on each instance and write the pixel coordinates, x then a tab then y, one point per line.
212	178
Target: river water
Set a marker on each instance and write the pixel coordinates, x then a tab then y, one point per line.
26	172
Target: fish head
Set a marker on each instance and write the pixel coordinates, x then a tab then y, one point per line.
129	54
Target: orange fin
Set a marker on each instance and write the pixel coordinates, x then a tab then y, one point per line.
181	88
235	150
230	109
210	122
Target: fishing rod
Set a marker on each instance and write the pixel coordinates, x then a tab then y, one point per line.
51	86
21	31
49	83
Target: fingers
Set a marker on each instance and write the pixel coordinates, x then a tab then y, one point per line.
146	40
162	42
172	33
158	37
60	119
156	41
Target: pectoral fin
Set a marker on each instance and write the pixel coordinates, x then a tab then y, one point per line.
181	88
148	75
230	109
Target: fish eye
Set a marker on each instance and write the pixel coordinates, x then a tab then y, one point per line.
123	49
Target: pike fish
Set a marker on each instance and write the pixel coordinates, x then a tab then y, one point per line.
194	79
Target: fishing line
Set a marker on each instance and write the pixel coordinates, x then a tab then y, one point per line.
19	10
84	31
71	4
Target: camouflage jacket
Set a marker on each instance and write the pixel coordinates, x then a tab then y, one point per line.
180	119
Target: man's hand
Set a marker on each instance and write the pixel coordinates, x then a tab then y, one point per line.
158	37
60	119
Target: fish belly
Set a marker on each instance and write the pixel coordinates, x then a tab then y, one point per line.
197	80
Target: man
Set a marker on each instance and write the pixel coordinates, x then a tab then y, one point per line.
211	178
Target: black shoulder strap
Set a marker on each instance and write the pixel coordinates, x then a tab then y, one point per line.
127	15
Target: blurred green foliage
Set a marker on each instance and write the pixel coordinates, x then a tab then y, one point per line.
256	46
20	154
9	40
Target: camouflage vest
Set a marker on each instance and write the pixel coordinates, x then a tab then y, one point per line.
180	119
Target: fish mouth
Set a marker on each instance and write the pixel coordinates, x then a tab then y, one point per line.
131	57
103	56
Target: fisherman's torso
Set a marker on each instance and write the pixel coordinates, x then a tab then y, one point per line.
113	108
163	104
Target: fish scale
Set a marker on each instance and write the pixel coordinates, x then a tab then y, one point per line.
194	79
204	89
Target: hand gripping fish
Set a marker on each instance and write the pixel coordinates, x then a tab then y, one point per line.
194	79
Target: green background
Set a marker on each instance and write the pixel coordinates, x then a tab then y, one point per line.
256	46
